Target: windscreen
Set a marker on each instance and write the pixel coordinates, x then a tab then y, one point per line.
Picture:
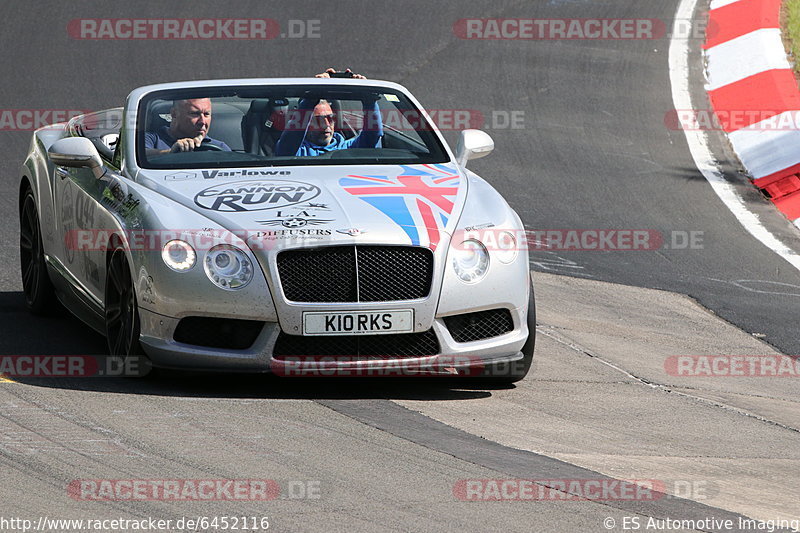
283	125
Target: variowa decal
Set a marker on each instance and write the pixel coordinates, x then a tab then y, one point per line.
211	174
255	195
418	201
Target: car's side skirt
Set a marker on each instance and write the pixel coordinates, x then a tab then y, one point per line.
74	296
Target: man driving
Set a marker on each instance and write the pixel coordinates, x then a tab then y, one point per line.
187	131
310	131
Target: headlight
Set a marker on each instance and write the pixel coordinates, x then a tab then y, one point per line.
506	247
228	267
470	260
179	255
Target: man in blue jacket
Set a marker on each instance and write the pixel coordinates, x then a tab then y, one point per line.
310	131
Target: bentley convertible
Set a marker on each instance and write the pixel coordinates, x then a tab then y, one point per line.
296	226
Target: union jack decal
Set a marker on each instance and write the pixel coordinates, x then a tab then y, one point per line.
419	201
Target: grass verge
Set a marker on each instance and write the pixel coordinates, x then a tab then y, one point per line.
791	30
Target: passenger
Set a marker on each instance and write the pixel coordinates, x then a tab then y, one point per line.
312	134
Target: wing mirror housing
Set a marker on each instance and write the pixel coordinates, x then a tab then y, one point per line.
473	144
77	152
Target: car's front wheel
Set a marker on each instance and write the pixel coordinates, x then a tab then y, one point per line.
36	285
121	309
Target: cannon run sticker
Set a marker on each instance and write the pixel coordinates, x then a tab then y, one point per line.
256	195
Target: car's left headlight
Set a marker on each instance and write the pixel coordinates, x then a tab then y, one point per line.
228	267
178	255
470	260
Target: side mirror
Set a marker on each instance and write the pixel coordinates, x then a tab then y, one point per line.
473	144
77	152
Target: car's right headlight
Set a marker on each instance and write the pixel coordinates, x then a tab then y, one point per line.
228	267
470	260
507	248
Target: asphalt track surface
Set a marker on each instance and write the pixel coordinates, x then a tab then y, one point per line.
594	153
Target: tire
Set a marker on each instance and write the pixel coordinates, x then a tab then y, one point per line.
501	374
40	297
121	308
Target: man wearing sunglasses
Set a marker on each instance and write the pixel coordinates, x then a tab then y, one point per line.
310	131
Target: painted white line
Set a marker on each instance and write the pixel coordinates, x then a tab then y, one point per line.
716	4
698	142
745	56
769	146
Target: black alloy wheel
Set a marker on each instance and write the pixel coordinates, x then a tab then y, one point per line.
36	285
121	309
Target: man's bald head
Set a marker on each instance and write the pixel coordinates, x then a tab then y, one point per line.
190	118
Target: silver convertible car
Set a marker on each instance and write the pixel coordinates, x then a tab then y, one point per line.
298	226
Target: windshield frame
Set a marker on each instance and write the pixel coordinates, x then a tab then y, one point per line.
427	132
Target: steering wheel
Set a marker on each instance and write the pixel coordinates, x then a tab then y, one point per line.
208	147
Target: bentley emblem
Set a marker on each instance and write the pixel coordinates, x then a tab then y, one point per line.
353	232
294	222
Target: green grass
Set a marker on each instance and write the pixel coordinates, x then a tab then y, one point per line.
792	29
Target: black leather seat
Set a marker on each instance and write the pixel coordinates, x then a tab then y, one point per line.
226	125
260	133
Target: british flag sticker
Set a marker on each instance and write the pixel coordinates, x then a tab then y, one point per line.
420	200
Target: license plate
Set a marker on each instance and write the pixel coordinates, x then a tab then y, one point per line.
358	323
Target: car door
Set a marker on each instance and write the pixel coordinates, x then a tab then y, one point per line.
79	218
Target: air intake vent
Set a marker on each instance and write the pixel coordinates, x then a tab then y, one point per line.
482	325
357	347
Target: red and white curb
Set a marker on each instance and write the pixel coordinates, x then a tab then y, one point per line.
697	141
750	79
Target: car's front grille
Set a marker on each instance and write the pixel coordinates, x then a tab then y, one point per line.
357	347
319	275
356	273
226	333
481	325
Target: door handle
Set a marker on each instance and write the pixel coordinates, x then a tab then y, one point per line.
62	173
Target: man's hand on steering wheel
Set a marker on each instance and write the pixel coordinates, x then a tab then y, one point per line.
187	144
208	147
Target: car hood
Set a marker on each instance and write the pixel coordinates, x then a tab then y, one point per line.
416	205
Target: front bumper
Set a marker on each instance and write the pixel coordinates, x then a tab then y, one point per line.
453	357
